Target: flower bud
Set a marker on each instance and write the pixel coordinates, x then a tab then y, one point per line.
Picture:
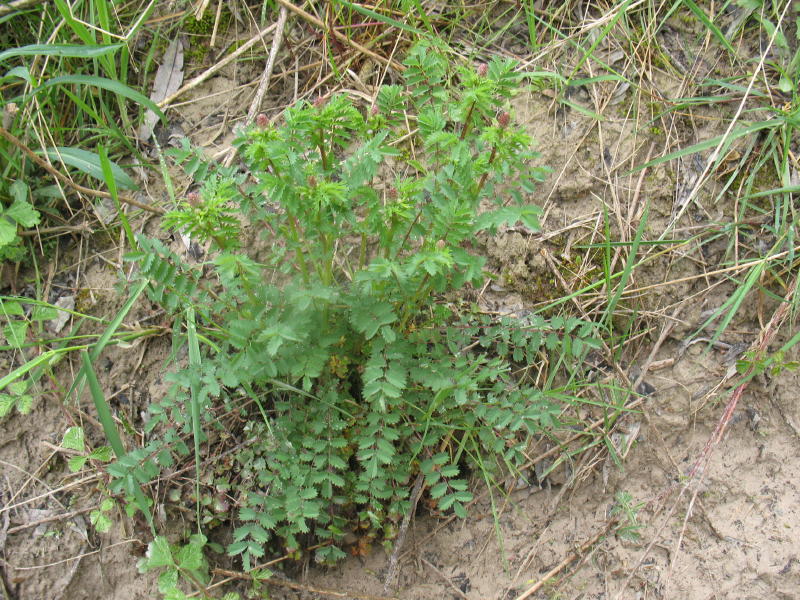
441	244
312	181
393	193
193	198
503	119
373	112
482	69
262	120
320	101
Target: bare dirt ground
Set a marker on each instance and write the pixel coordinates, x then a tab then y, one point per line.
730	531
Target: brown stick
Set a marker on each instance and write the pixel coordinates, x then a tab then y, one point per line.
50	519
453	587
67	181
267	75
564	563
391	571
84	228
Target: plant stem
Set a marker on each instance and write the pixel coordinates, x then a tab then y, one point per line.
300	254
322	154
465	130
327	273
219	242
486	174
362	254
410	227
410	306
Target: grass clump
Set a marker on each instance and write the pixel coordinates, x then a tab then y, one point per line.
355	377
66	87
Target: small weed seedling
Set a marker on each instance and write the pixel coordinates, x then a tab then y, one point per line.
360	372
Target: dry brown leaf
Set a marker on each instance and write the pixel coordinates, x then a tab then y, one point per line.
168	80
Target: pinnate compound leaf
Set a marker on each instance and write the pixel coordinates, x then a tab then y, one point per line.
369	316
438	490
509	215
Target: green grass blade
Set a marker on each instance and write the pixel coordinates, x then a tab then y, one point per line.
382	18
77	27
792	342
110	430
423	16
44	357
91	164
111	182
731	306
115	87
103	410
707	144
194	364
165	174
627	270
108	333
117	321
708	24
61	50
104	19
583	110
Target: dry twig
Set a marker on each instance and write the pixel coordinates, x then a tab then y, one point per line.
565	563
391	571
452	586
